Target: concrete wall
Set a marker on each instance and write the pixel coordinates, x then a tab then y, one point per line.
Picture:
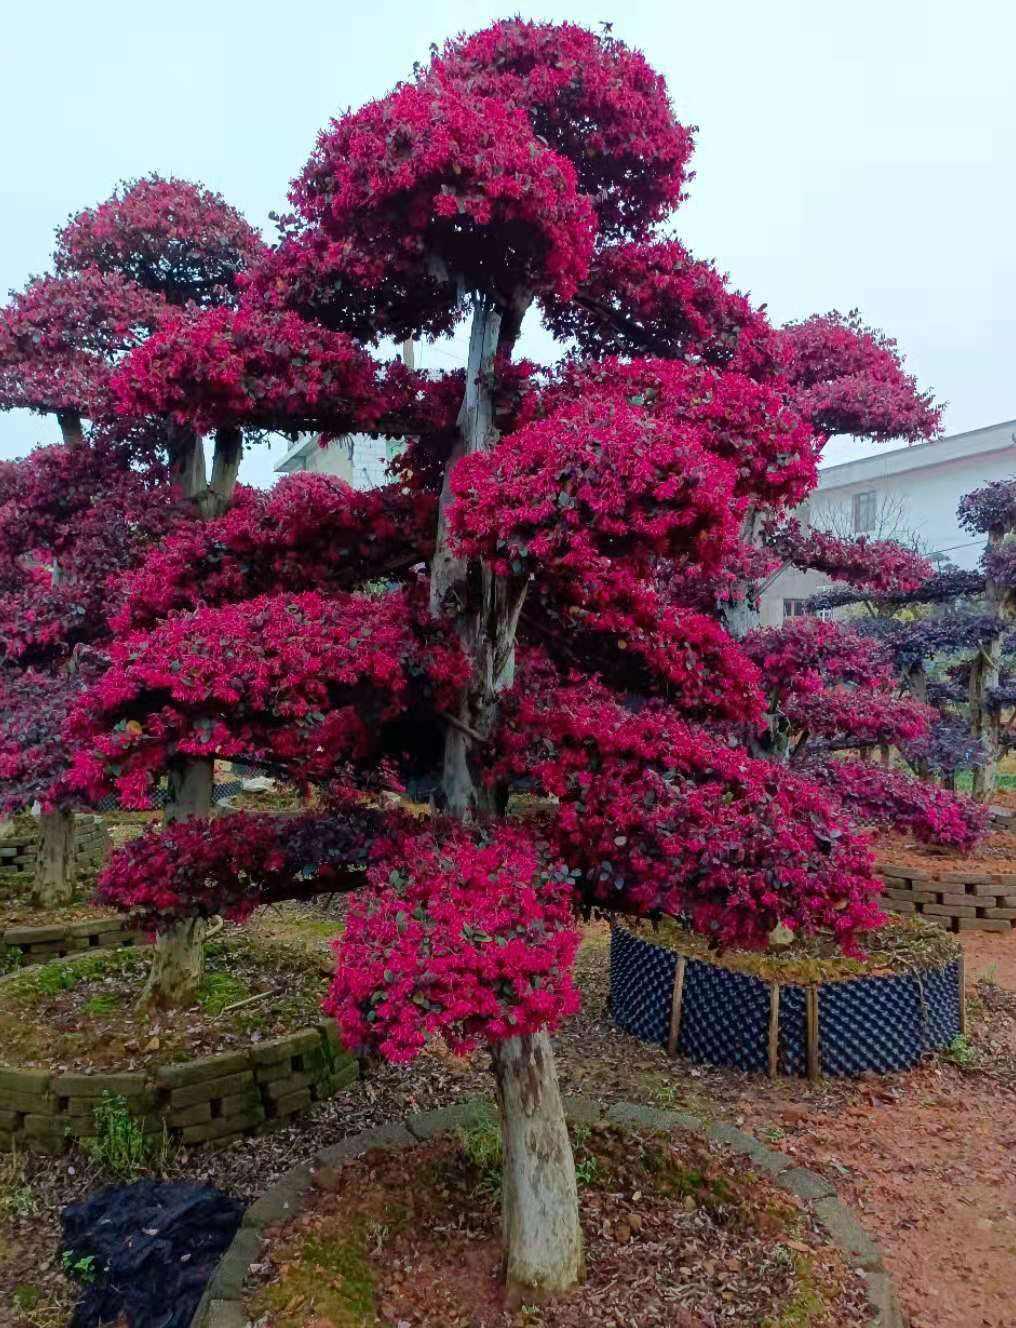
921	485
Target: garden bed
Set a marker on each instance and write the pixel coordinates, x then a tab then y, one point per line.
677	1233
960	892
71	1038
55	933
791	1014
81	1014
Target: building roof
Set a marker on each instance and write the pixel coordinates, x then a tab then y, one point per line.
918	456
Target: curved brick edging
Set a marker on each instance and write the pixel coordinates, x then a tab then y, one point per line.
959	900
211	1098
221	1305
719	1016
59	939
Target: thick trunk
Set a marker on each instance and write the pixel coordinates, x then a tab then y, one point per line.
984	719
485	607
178	956
70	428
55	872
540	1208
543	1239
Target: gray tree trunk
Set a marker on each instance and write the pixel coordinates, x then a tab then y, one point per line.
178	956
539	1197
55	868
70	428
543	1240
985	719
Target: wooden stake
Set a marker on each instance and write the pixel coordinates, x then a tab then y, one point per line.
675	1006
811	1010
962	979
774	1030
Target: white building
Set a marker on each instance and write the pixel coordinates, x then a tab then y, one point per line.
357	458
909	494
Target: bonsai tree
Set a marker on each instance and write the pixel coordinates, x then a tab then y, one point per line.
71	518
532	604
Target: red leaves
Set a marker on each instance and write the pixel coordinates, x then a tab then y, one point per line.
882	566
310	532
176	239
305	682
656	816
848	378
61	336
464	931
894	801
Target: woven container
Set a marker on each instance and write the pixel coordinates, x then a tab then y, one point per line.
716	1016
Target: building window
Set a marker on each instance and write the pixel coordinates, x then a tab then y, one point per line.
864	511
793	608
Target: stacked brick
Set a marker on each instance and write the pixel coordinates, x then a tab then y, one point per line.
18	851
210	1099
40	944
956	900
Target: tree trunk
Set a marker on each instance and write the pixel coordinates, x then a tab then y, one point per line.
742	614
178	956
543	1239
485	607
70	428
539	1198
985	719
55	868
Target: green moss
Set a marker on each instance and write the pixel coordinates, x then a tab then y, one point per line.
26	1297
326	1279
219	989
902	945
100	1005
807	1307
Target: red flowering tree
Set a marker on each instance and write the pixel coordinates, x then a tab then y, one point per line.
531	603
71	520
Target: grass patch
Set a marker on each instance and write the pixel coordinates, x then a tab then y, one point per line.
17	1199
219	989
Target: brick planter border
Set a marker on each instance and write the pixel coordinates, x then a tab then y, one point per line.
222	1303
58	940
959	900
19	851
718	1016
211	1098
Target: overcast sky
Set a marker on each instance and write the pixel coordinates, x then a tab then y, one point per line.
857	154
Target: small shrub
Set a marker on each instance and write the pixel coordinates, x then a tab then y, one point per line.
82	1267
961	1051
16	1196
11	958
119	1145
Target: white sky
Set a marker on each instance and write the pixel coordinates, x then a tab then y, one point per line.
857	154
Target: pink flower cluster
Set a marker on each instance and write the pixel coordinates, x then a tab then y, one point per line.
61	337
465	932
236	863
848	378
882	566
303	681
594	100
169	236
310	532
219	368
891	800
657	816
